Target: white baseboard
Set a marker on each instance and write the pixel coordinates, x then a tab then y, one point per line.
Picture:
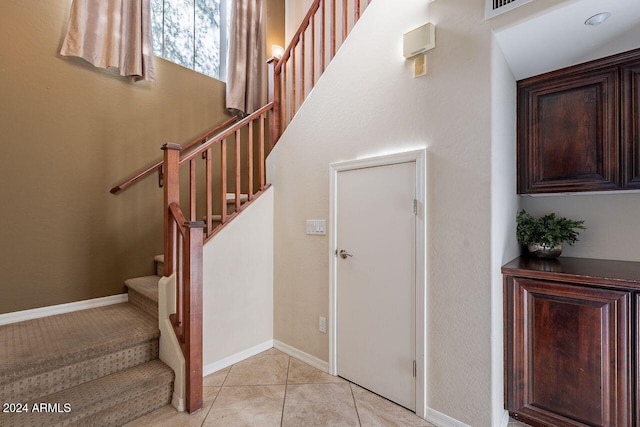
301	355
37	313
178	403
442	420
505	419
235	358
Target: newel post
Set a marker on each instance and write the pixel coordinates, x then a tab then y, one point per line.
193	311
171	195
274	96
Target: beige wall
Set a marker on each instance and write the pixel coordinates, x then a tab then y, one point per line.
366	104
69	133
464	111
611	220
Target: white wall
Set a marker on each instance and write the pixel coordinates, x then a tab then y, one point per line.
238	284
504	205
366	104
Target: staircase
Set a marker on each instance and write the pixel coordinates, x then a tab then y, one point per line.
100	367
95	367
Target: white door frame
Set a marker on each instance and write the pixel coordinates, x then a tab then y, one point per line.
420	158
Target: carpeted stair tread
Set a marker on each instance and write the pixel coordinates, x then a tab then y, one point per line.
40	345
231	197
146	285
108	401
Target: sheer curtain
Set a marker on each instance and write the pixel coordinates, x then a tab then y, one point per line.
112	33
247	69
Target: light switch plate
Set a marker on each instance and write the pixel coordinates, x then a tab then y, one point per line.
317	226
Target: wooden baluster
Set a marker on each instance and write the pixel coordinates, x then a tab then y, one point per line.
274	96
313	51
223	180
179	283
237	170
192	331
171	195
250	157
356	17
345	19
285	99
303	61
322	36
293	83
192	190
261	153
332	15
209	189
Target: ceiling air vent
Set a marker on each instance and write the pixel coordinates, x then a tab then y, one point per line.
496	7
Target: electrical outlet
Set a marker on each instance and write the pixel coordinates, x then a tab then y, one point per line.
323	325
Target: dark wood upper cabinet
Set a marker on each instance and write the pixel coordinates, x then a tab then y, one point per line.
631	124
578	128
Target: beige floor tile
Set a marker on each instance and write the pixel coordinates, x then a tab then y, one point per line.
259	370
516	423
376	411
319	405
301	373
247	406
167	416
217	378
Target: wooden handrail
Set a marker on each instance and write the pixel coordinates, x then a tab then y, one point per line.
301	29
158	165
225	134
184	238
288	93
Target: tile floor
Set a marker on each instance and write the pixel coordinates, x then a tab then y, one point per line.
273	389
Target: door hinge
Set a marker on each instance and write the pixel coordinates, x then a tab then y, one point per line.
415	206
415	369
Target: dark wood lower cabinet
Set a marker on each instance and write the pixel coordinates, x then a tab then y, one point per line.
571	356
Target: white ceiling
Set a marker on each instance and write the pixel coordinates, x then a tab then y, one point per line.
559	38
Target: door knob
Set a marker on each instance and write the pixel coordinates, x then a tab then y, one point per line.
344	254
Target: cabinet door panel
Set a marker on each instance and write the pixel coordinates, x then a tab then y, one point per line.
568	133
631	125
568	354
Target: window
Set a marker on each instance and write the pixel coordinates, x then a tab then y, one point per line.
192	33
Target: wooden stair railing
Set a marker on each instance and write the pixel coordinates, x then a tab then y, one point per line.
293	76
159	165
290	80
184	239
183	256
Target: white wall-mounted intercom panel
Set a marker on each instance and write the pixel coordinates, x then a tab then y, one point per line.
420	40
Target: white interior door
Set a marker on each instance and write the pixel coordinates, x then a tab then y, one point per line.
376	283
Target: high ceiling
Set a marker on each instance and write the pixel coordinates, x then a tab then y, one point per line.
560	38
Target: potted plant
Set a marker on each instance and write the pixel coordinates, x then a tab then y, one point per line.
543	236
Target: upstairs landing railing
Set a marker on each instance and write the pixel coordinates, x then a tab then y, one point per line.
322	31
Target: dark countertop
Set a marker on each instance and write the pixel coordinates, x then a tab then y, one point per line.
578	270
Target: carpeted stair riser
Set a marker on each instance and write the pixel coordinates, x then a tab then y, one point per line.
159	261
143	303
108	401
27	388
